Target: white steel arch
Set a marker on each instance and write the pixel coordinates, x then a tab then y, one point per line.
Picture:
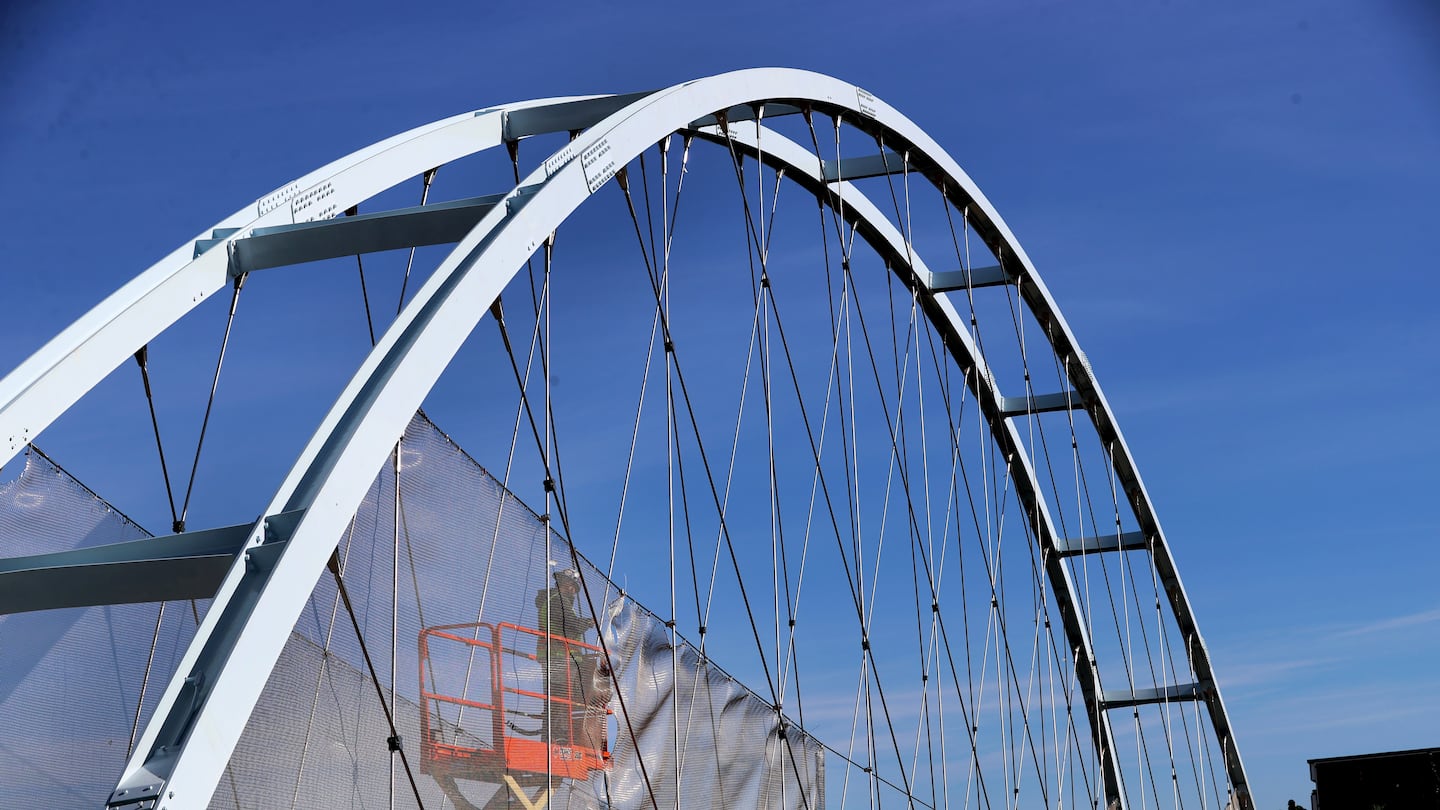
74	361
181	755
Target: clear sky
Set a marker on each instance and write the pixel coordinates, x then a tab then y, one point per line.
1234	205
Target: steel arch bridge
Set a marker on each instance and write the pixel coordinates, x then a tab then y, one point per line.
260	575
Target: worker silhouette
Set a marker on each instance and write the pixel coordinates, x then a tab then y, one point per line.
568	667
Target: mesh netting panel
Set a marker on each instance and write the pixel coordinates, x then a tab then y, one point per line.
333	755
71	680
454	584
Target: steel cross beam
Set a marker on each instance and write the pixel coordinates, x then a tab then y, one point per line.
419	226
158	569
1158	694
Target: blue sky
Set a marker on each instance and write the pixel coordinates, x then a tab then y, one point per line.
1232	205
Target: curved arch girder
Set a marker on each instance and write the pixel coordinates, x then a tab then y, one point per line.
883	235
241	638
887	239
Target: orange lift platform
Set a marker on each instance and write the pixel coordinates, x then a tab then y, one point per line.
485	714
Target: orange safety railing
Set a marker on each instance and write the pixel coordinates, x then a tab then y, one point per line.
566	737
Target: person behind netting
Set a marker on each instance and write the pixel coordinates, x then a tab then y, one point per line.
572	672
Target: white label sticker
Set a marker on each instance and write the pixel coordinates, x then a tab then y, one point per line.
314	203
598	163
866	102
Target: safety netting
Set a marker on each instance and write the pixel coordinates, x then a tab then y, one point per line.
76	684
514	673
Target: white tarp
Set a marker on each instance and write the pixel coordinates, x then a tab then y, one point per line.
698	731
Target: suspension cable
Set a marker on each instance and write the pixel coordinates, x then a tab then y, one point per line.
395	606
680	377
334	566
657	290
210	401
410	262
145	681
142	359
759	242
672	443
347	542
364	290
